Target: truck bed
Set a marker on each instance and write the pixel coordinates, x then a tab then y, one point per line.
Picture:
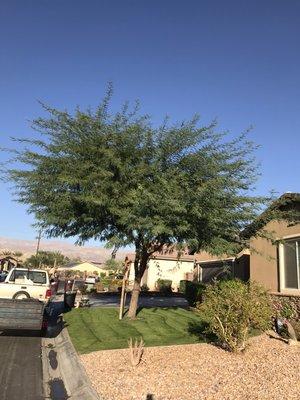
21	314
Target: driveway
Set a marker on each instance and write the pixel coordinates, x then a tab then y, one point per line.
113	300
21	366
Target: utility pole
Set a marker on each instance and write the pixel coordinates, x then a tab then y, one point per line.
38	242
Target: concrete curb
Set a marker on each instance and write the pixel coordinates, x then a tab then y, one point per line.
62	366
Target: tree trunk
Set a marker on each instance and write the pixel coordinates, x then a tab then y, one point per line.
134	298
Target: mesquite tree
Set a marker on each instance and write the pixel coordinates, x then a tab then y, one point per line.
117	178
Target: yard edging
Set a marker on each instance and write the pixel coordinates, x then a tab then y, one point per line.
67	368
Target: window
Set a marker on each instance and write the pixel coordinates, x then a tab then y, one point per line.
34	276
37	277
289	257
18	274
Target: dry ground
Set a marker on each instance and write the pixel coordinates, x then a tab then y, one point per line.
269	369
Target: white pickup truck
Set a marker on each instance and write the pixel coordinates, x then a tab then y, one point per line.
24	283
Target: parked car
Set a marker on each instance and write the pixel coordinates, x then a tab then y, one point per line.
24	283
91	279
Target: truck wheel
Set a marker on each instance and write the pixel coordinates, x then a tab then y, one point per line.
21	295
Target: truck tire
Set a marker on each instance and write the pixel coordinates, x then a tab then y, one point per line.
21	295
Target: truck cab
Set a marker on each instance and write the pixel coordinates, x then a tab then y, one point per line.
24	283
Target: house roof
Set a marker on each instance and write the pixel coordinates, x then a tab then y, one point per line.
286	207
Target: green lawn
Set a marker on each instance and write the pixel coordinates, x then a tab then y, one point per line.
99	328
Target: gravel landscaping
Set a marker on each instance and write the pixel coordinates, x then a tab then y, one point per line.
269	369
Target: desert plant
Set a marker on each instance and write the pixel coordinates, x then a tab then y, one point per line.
164	286
232	308
99	287
284	308
136	351
192	291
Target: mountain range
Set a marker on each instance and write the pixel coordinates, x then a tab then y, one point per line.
85	253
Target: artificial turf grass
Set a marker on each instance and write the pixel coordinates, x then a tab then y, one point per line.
93	329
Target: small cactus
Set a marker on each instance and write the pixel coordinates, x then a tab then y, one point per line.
136	350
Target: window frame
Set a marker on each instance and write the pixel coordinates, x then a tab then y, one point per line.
282	287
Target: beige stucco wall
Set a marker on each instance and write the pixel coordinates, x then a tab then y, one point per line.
264	262
164	269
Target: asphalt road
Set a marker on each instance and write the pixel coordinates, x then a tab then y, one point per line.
20	366
113	300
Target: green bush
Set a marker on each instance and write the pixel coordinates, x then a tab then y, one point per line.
192	291
144	288
99	287
231	308
164	286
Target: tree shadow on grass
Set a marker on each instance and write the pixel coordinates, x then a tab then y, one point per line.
139	309
153	310
199	329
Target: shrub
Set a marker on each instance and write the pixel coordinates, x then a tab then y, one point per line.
99	287
192	291
144	288
231	308
285	307
164	286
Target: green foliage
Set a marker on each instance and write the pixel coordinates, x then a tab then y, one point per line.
111	283
231	308
144	288
117	178
164	286
285	307
192	291
46	259
113	265
77	273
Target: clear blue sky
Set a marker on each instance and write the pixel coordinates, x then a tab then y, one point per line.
237	60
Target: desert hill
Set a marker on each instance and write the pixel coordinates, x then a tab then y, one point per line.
86	253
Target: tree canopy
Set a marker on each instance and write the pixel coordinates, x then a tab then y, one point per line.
117	178
46	259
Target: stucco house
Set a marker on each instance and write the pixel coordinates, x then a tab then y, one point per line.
274	262
169	266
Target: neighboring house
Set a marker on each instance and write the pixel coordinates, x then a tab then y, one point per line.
87	267
273	263
209	267
165	266
276	263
